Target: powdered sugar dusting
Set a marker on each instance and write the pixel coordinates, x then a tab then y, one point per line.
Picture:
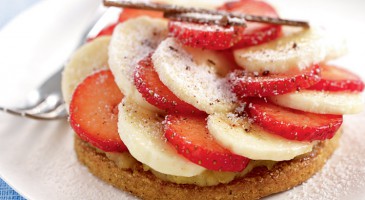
198	84
132	41
38	159
141	131
343	177
297	51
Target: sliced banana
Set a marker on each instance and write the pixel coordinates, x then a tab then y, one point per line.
322	102
237	135
91	57
132	41
195	83
219	60
296	51
141	131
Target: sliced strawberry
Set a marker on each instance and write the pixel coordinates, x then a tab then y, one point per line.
255	33
126	14
246	84
190	136
94	111
293	124
155	92
105	32
129	13
205	36
338	79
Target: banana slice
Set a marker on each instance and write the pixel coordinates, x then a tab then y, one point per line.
219	60
242	138
322	102
87	59
296	51
141	131
132	41
195	83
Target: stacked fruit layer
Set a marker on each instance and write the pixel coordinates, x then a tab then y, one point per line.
183	98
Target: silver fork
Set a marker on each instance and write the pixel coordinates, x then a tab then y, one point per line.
46	102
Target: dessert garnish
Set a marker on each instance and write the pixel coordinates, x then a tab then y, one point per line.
206	16
208	104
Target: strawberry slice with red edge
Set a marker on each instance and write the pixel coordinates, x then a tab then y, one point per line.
126	14
250	84
190	136
94	112
155	92
293	124
255	33
338	79
206	36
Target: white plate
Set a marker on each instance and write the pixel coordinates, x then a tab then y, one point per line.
37	158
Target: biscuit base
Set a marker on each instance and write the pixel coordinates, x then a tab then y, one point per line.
258	183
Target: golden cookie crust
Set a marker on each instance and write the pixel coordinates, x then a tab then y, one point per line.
258	183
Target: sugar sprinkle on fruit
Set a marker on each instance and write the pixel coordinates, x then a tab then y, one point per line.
94	111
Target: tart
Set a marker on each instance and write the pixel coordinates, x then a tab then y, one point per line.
169	109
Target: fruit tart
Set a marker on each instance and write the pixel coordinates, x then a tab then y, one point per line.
173	109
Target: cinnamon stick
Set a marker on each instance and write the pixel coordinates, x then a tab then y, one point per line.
191	14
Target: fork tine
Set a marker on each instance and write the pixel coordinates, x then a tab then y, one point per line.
10	111
36	108
18	113
58	112
45	105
